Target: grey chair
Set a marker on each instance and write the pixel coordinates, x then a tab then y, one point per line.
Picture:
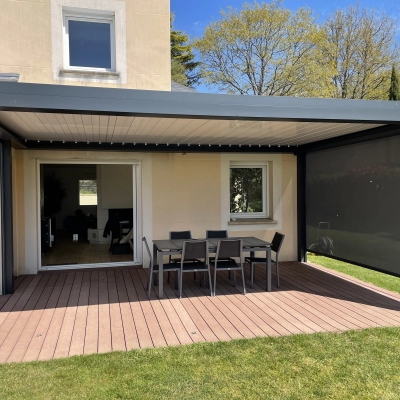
179	235
195	250
217	235
276	245
154	269
226	250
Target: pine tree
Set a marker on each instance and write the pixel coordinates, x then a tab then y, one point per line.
394	91
183	66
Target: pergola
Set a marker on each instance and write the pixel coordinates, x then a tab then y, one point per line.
36	116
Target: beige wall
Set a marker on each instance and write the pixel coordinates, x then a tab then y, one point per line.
177	192
30	42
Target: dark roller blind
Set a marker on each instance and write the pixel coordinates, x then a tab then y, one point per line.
353	203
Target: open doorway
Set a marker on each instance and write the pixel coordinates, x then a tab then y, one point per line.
88	215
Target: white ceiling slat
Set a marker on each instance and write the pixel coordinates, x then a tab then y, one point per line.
118	129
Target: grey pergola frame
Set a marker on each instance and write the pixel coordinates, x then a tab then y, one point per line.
25	97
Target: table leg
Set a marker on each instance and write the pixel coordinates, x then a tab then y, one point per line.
161	275
155	256
268	267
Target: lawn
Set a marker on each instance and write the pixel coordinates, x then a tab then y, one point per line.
377	278
352	365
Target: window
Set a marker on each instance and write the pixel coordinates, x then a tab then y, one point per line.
87	192
89	41
248	191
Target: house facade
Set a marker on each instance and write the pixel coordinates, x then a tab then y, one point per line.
172	190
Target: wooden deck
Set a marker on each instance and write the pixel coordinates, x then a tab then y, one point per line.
60	314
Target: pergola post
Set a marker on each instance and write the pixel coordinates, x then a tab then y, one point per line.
301	207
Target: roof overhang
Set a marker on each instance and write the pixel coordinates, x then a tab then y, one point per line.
42	116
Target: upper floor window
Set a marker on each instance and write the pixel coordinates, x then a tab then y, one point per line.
89	41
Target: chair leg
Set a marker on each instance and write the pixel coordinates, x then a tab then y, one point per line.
149	282
215	280
180	283
234	278
169	274
210	283
229	274
244	281
252	275
277	272
176	280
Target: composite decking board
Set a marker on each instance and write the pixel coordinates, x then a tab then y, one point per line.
215	303
201	326
131	338
165	324
104	342
22	310
314	311
18	280
65	336
176	323
259	317
47	312
92	322
279	319
80	324
356	291
153	325
33	335
238	318
352	301
331	310
221	326
117	329
387	293
184	316
22	335
21	324
44	342
354	304
142	330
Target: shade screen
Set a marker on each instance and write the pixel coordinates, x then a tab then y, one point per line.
353	203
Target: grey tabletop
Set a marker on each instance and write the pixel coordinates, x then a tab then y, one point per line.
177	244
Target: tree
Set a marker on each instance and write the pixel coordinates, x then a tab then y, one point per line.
184	69
394	91
361	46
265	49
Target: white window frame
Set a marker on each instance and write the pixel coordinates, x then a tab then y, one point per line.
98	17
264	168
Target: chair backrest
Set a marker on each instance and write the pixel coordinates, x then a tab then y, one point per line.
229	248
277	242
148	250
216	234
180	235
195	250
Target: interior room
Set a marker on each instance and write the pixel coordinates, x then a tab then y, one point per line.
86	214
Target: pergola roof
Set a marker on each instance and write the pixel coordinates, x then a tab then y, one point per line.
36	113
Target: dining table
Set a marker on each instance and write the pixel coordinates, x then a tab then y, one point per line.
250	244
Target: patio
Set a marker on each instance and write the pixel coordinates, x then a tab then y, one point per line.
60	314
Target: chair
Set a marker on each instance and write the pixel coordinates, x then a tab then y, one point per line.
226	249
154	269
197	253
217	235
275	247
179	235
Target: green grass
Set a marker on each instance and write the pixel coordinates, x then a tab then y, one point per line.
352	365
377	278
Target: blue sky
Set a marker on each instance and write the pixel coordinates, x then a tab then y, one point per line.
192	16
